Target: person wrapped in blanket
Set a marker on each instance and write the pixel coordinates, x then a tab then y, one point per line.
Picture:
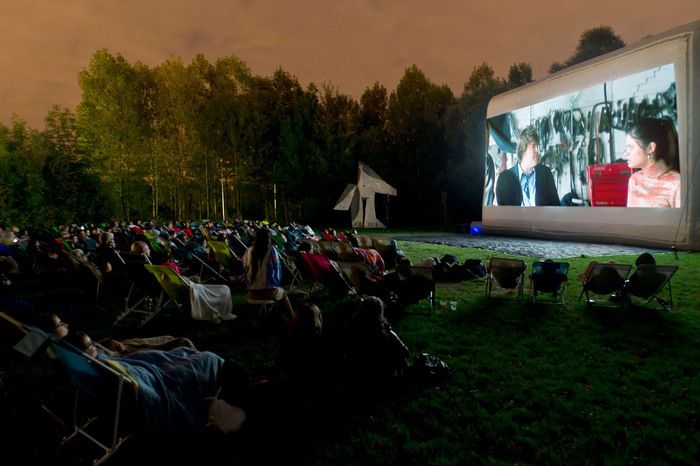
177	389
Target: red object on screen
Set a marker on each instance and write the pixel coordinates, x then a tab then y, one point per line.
607	184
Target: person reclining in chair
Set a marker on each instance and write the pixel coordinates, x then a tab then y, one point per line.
644	281
177	388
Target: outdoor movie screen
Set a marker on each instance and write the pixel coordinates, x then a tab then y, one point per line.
614	144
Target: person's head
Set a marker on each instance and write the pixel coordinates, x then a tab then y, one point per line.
107	239
78	254
261	244
52	323
60	328
307	321
83	341
645	259
263	239
140	247
369	318
528	148
651	140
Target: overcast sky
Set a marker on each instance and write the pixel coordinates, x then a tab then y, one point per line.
350	44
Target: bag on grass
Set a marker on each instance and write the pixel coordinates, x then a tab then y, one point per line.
429	369
473	268
448	269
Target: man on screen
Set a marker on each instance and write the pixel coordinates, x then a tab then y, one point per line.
527	183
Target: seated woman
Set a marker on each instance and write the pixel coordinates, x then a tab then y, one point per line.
264	271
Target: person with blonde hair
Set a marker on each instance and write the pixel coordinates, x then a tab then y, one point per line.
528	183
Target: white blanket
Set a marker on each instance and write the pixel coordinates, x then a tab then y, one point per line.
211	302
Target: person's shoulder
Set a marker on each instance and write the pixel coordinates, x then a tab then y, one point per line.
671	176
508	175
541	168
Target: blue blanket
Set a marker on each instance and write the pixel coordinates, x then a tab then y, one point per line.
172	387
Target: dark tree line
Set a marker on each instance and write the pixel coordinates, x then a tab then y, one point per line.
182	140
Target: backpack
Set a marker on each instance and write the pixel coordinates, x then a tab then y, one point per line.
447	269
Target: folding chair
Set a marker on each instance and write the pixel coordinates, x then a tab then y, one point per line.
355	273
605	279
507	274
387	249
100	382
325	273
364	241
344	251
278	239
145	294
648	282
176	288
153	243
265	306
326	248
91	377
223	254
415	284
88	278
293	275
549	277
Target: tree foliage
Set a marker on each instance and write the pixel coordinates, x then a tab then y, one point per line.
593	43
212	140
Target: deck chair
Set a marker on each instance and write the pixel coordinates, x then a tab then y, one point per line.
145	294
506	274
549	277
278	239
223	254
326	274
648	282
416	284
344	251
605	279
91	377
176	289
355	273
153	243
205	301
88	276
364	241
291	273
326	248
100	383
387	248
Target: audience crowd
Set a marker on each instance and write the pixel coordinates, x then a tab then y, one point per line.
353	351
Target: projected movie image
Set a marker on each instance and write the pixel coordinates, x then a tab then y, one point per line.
610	145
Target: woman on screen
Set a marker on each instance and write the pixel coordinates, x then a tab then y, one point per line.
652	147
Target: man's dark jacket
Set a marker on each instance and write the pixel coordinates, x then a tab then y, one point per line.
509	191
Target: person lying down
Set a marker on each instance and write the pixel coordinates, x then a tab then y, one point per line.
177	389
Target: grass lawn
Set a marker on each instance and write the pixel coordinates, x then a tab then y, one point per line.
531	384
